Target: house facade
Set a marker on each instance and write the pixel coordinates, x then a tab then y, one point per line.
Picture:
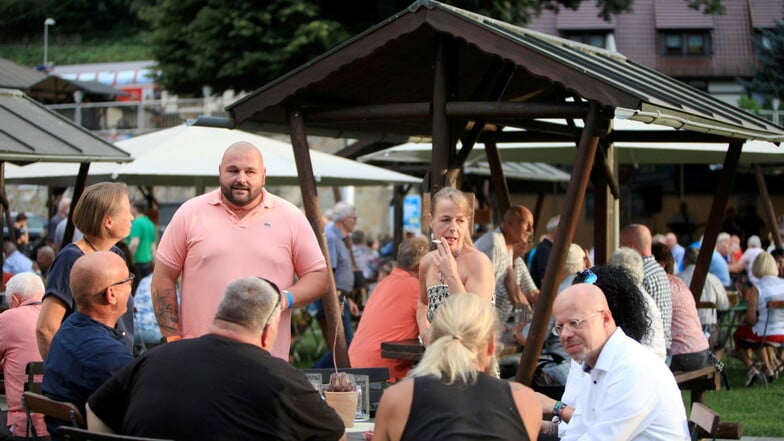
709	52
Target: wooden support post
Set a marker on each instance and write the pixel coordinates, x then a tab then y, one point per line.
767	206
575	195
81	182
713	225
497	175
443	149
307	182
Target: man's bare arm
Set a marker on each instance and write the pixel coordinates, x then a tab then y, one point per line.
164	299
310	287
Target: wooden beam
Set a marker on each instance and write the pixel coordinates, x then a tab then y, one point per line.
81	182
443	150
334	333
767	206
575	195
714	222
497	175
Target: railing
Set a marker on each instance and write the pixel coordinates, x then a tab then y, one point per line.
120	119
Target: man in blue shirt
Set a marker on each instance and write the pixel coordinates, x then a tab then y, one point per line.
87	350
15	262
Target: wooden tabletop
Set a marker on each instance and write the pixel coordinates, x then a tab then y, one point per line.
409	349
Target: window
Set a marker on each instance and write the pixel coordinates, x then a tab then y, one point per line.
685	43
598	39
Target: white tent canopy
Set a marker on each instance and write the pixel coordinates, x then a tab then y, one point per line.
625	152
189	156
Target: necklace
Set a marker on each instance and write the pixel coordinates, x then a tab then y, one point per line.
87	241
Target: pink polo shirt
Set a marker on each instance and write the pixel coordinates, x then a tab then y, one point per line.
212	247
17	348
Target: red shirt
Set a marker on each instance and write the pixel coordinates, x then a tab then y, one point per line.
389	315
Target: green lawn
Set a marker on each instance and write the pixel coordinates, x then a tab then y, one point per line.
97	50
757	408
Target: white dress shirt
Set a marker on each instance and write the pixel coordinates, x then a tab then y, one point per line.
629	395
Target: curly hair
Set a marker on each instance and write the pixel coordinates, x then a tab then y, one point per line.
624	298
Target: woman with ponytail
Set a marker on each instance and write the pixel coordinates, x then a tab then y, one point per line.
452	394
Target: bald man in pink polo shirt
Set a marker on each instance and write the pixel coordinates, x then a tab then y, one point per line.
239	230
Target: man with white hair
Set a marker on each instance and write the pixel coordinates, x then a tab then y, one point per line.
223	385
671	240
18	347
631	261
754	248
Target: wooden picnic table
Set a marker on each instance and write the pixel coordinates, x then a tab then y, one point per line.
409	349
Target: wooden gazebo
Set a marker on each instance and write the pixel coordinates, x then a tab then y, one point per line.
434	71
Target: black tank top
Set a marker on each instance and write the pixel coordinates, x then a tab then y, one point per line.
484	410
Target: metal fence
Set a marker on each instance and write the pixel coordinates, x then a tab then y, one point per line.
120	119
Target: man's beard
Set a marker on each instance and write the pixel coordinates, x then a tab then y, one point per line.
240	202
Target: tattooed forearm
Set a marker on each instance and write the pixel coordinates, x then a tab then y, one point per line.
166	311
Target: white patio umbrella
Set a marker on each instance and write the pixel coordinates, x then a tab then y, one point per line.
189	156
753	152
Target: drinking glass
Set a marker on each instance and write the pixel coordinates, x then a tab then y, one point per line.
363	397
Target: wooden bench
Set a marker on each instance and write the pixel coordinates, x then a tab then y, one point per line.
699	381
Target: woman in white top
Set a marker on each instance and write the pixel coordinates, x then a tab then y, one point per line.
752	329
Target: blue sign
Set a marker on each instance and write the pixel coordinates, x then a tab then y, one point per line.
412	213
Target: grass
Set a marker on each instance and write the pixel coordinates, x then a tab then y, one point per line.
98	50
755	407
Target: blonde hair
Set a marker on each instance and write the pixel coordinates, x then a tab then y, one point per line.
459	334
462	201
764	265
97	202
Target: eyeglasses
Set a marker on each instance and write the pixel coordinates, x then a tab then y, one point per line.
572	325
586	276
130	277
277	301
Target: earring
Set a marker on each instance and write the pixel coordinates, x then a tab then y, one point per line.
432	236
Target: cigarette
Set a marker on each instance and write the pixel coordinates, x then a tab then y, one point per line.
436	241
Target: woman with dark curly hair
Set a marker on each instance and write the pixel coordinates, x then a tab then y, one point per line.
626	303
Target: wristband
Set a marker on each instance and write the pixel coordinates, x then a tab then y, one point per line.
557	410
289	298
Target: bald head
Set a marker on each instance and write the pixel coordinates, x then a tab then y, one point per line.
584	321
638	237
518	225
242	175
93	273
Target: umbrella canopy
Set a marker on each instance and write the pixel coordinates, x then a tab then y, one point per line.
188	156
563	152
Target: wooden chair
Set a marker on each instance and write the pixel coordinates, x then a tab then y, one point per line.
79	434
61	410
775	307
34	371
378	377
704	421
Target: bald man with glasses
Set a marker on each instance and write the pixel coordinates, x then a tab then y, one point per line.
626	392
87	349
224	385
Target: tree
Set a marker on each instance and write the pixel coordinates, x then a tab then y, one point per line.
769	78
242	44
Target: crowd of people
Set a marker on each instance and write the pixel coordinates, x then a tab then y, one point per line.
117	313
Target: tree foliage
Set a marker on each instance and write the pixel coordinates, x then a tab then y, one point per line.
21	20
769	78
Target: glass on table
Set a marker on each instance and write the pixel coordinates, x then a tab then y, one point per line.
363	397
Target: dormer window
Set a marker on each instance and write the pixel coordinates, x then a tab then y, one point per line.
690	43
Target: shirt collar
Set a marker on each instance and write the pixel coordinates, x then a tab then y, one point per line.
216	198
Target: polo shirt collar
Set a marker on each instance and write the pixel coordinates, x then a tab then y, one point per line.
215	197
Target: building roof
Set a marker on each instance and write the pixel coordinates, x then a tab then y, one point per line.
29	132
15	76
393	63
53	89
